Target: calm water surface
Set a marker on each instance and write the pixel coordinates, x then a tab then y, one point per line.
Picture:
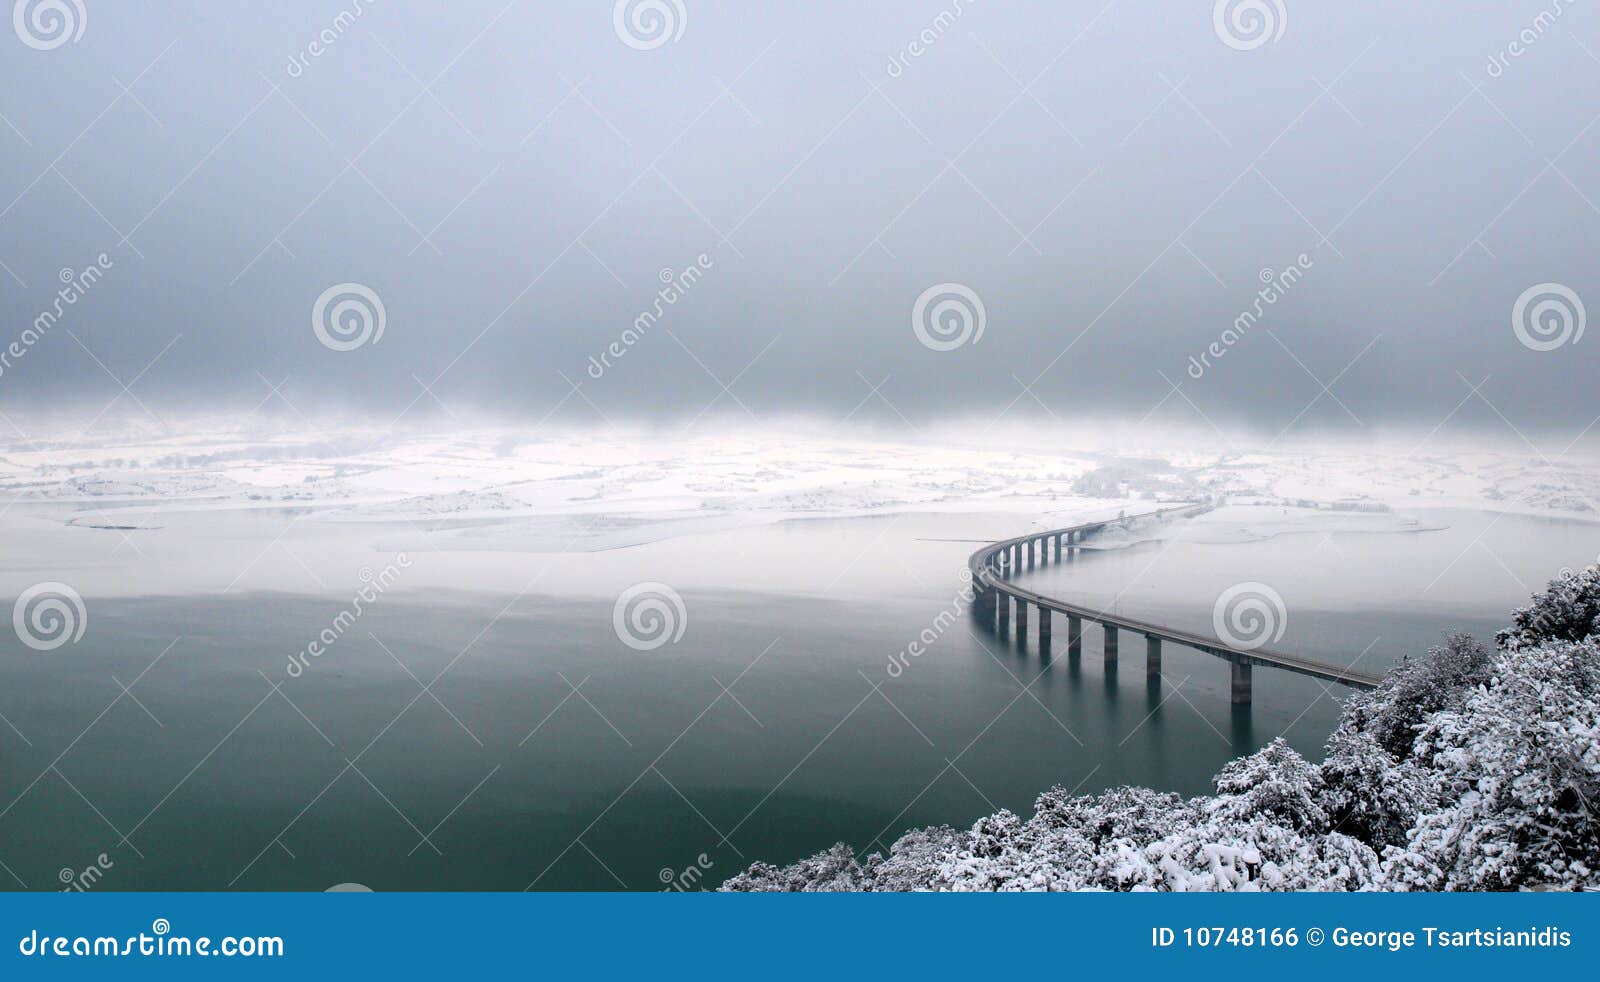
549	755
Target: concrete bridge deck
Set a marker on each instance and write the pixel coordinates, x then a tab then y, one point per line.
997	597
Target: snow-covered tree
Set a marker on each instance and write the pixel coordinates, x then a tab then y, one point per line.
1518	774
1569	610
834	870
1466	769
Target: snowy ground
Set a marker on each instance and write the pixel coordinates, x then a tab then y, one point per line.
620	489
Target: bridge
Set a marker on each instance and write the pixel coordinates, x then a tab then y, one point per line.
996	598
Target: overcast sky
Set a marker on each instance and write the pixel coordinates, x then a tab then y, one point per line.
1113	181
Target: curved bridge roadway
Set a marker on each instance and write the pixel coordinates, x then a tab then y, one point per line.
996	597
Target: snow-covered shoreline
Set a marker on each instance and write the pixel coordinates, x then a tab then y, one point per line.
1470	768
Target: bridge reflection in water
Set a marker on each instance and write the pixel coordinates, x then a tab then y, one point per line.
998	601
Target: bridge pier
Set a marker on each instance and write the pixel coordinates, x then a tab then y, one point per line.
993	605
1241	683
983	605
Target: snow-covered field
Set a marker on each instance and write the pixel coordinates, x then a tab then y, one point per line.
232	504
623	488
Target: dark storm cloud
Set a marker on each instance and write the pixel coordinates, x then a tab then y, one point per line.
523	188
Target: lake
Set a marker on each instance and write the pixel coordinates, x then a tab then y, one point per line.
481	725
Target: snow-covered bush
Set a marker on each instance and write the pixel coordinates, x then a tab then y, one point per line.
1569	610
835	870
1467	769
1519	773
1367	793
1274	783
1415	689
